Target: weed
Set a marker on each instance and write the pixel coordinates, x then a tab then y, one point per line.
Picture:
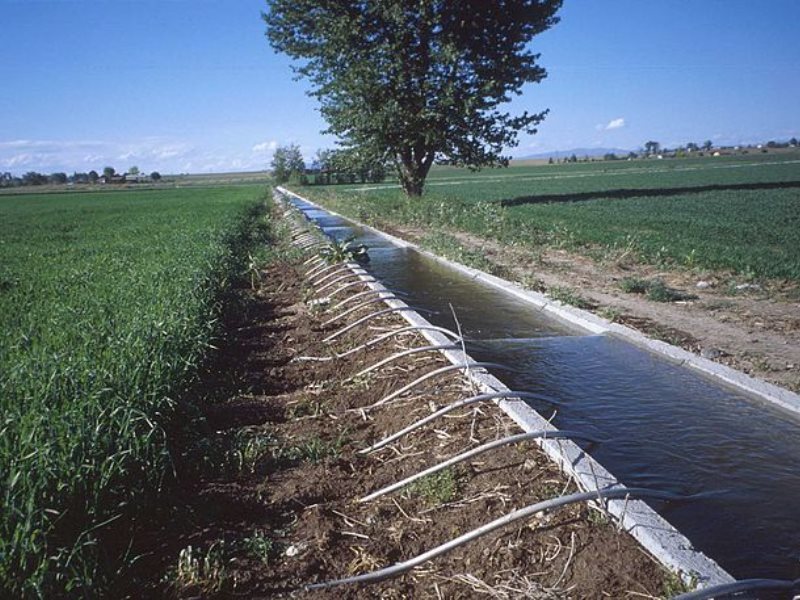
658	291
339	251
634	285
530	282
569	296
306	408
259	546
654	289
204	570
597	516
249	447
313	449
438	488
690	260
611	313
674	585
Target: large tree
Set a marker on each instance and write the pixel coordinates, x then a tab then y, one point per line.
412	82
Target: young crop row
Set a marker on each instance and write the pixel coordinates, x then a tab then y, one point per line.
108	305
753	232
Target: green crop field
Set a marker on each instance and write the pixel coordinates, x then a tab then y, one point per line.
108	304
738	214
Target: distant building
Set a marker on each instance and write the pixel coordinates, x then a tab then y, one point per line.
137	178
113	179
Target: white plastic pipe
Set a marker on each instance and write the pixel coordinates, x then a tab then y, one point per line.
402	353
345	286
318	281
511	439
443	411
528	511
363	320
395	332
336	280
457	367
744	585
388	296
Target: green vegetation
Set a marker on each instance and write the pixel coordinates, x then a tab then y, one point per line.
438	488
108	306
448	246
313	449
722	221
412	82
569	296
203	571
259	546
339	251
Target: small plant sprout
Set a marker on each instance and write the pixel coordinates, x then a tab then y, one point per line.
259	546
204	570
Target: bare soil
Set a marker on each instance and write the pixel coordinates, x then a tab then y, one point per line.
268	474
755	329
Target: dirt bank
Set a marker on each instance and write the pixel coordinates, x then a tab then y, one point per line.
270	473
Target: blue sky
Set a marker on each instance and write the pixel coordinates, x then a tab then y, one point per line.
192	86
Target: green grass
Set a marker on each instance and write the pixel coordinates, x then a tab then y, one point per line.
753	232
438	488
108	306
448	246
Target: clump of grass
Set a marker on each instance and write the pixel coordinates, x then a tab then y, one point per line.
634	285
259	546
611	313
204	571
249	447
569	296
313	449
674	585
448	246
437	488
653	289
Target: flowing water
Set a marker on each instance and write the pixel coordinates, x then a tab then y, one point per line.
662	425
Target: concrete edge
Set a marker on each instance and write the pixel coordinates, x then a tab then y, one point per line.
671	548
777	396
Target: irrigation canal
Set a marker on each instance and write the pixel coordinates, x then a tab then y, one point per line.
662	426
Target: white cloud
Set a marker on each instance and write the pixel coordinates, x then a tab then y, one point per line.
161	154
269	146
615	124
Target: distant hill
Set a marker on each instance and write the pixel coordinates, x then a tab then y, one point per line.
579	152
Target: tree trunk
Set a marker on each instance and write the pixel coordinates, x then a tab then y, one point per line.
413	166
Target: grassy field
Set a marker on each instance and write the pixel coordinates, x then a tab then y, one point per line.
739	214
108	305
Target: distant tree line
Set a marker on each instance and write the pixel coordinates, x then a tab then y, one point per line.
328	167
654	149
109	175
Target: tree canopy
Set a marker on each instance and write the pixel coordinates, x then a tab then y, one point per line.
410	83
287	162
